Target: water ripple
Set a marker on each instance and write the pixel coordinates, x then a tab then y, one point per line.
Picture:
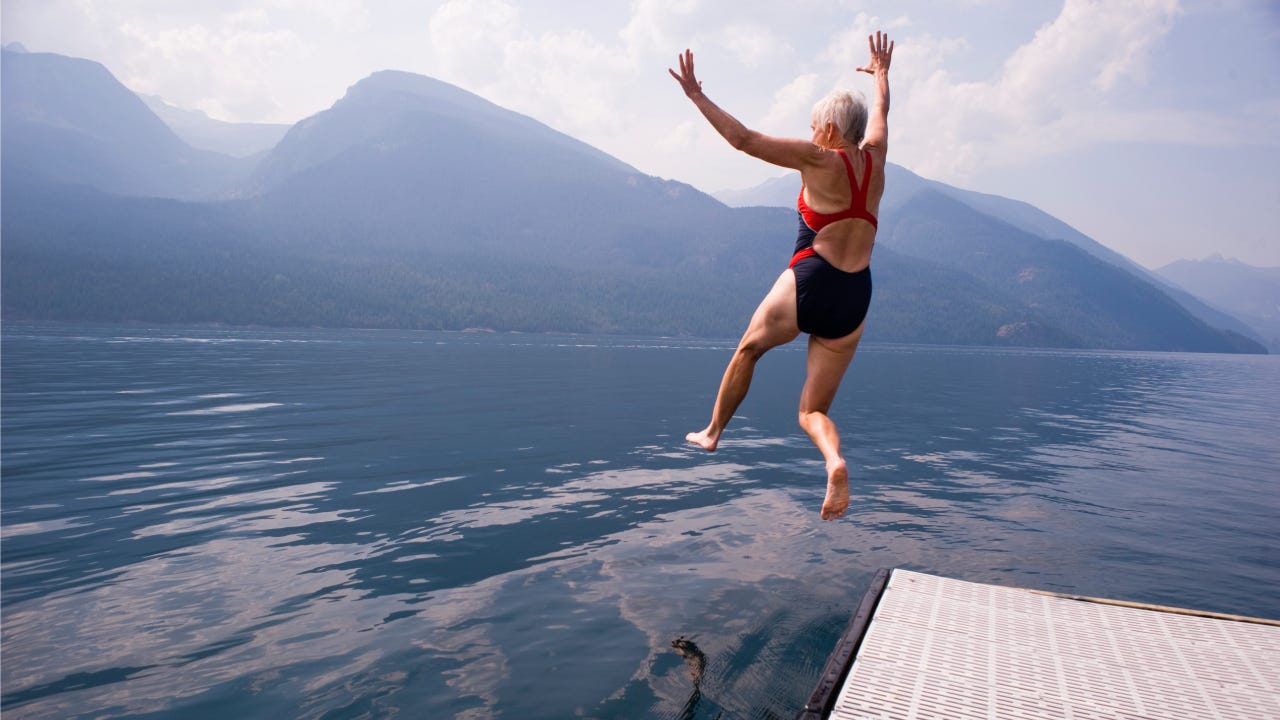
229	523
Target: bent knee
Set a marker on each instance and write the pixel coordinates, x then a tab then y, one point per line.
807	416
753	348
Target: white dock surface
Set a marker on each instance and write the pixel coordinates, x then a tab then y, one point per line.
939	648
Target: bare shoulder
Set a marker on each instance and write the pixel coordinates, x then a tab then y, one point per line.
824	165
879	154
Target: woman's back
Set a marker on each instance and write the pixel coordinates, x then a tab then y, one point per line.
837	186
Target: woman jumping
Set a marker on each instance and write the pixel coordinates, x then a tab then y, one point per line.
826	289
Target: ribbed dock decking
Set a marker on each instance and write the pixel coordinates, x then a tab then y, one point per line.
940	648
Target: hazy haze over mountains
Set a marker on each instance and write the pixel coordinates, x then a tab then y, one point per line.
68	120
200	131
1247	292
412	203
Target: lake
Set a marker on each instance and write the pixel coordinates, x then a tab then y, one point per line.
230	523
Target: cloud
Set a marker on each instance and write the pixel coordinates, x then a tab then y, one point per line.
220	61
569	78
468	38
566	78
792	103
647	30
753	45
847	49
681	138
1093	43
1062	89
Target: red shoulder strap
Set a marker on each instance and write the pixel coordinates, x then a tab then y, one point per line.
848	168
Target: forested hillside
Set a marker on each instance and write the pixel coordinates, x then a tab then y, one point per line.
412	203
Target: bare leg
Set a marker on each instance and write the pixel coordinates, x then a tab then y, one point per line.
828	360
773	324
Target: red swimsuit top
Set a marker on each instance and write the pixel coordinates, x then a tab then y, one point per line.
857	205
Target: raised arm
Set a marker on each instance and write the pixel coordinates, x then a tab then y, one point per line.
794	154
877	135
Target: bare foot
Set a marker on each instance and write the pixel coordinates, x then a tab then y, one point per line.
704	440
837	500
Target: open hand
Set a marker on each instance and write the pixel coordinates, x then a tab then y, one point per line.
691	85
881	53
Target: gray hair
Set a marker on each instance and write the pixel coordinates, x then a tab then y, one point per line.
847	109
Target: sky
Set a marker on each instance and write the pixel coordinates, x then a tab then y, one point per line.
1153	126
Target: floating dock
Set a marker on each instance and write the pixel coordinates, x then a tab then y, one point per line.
921	646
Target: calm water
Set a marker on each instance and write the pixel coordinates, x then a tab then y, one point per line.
251	524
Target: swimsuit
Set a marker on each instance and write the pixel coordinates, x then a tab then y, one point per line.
831	303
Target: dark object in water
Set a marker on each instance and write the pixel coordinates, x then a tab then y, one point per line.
693	657
697	662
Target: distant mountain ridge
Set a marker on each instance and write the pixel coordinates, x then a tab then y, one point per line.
902	186
197	129
413	203
69	121
1067	287
1248	292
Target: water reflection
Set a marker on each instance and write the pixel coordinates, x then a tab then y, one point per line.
309	525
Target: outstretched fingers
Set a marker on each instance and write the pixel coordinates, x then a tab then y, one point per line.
881	48
881	44
685	77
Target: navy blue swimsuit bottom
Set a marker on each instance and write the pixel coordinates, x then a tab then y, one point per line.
830	303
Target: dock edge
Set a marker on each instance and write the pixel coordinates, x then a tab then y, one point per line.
840	662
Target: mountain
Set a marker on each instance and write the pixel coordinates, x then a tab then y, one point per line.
775	192
412	203
902	186
1248	292
240	140
1068	288
407	161
69	121
390	110
409	203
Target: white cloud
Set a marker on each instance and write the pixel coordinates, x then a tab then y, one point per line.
792	103
681	137
753	45
848	48
1090	42
217	63
567	78
1054	93
469	38
647	30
